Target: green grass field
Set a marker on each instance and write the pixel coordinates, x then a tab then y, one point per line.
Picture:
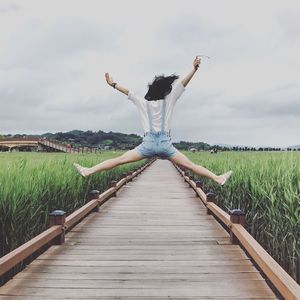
267	187
34	184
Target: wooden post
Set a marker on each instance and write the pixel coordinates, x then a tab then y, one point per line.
125	177
198	185
183	170
58	217
93	195
114	185
130	174
237	216
210	197
191	178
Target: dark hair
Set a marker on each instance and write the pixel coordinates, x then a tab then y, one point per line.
160	87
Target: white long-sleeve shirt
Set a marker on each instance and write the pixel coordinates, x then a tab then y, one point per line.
156	108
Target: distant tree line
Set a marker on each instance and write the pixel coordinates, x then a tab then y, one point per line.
105	140
98	139
183	145
116	140
256	149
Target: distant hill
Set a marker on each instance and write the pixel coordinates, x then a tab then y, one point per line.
116	140
106	140
183	145
99	139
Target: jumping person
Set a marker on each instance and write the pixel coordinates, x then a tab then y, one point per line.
156	109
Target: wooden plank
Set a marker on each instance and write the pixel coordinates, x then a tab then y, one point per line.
10	260
117	241
143	222
157	195
215	289
283	282
153	228
204	277
73	218
206	248
152	283
142	269
144	256
141	263
155	207
149	222
106	194
205	232
151	214
127	298
219	213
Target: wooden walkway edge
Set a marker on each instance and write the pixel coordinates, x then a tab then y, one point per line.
153	241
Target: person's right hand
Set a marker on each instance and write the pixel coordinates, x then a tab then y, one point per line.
109	79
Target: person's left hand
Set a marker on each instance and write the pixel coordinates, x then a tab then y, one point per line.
197	62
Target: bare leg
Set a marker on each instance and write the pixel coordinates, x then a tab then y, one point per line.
127	157
182	160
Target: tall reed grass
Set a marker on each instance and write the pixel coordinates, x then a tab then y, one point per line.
267	187
34	184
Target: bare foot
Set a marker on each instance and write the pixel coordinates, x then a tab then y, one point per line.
81	170
222	179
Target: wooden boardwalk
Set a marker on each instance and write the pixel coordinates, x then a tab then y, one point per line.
153	241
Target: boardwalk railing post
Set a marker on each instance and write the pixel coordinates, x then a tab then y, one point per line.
237	216
198	185
58	217
93	195
113	184
136	170
210	197
130	174
125	177
191	178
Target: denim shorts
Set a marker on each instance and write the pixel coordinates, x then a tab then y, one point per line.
156	143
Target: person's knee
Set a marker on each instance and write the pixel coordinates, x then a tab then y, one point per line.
183	161
122	159
188	164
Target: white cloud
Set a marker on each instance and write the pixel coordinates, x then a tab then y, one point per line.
54	55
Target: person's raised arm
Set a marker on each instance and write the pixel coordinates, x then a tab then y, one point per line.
110	81
196	63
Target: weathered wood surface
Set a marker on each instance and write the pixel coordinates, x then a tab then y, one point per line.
153	241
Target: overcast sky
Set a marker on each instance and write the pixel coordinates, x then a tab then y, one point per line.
53	56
